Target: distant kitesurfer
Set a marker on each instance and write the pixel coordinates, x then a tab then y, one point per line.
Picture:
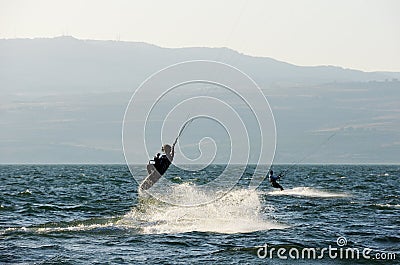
159	165
273	179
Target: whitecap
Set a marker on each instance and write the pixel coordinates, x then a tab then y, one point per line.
388	205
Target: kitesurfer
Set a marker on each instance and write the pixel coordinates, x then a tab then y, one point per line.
159	165
273	179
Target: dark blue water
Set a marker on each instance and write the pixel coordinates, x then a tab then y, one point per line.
92	214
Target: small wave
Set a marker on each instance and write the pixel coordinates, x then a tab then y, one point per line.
91	225
44	230
237	212
307	192
386	206
77	228
25	192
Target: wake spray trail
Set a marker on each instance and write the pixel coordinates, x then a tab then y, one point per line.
307	192
239	211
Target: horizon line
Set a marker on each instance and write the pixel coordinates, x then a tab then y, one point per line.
275	164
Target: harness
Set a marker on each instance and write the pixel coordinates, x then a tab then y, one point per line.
162	164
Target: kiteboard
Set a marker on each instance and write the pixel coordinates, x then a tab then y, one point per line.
150	180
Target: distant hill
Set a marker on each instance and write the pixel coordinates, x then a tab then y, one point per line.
67	64
63	100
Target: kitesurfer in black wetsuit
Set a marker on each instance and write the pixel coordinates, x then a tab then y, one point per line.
159	166
273	179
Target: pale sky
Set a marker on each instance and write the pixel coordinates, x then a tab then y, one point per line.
359	34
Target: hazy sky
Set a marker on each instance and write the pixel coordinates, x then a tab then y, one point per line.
360	34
